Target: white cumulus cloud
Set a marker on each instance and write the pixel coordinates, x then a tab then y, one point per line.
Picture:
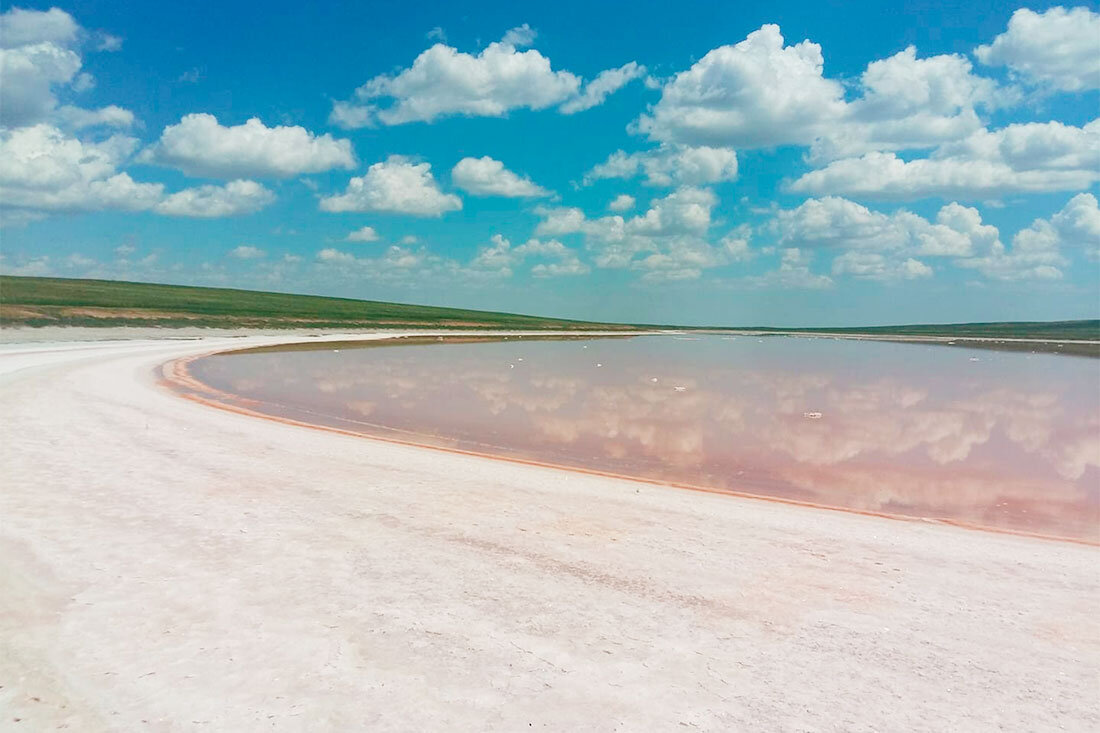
667	242
876	266
397	185
793	272
444	81
757	93
42	168
362	234
1021	157
911	103
40	59
199	146
500	258
838	223
351	116
622	202
670	165
1058	49
1036	251
334	256
35	59
21	27
488	177
76	118
563	261
247	252
763	93
1078	224
880	246
232	199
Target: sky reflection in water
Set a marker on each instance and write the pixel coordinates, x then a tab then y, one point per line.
1010	440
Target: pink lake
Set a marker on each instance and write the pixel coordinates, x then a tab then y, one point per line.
1005	440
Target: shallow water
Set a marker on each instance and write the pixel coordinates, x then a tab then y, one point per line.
999	439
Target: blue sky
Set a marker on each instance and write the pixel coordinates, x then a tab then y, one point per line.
776	163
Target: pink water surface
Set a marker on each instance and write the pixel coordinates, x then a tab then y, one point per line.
1000	439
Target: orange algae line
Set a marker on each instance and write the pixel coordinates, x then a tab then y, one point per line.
178	378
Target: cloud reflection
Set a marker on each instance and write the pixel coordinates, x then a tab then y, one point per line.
994	447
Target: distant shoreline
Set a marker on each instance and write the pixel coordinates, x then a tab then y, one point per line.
46	333
1074	347
31	302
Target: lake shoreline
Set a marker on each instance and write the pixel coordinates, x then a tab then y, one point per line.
177	375
40	334
1070	347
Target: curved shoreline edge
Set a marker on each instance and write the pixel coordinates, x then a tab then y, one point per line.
175	376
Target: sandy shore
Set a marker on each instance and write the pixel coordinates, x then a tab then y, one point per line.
169	566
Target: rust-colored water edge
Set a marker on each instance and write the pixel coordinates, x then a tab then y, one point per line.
999	441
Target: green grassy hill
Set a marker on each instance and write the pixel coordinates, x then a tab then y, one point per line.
42	301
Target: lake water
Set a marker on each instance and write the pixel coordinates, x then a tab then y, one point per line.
1000	439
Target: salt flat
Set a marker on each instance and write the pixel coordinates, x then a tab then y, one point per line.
171	566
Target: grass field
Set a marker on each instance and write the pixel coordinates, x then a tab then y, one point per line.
38	301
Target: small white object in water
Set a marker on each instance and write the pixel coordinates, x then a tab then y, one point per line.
336	351
520	359
679	389
511	366
599	365
812	415
654	379
974	358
